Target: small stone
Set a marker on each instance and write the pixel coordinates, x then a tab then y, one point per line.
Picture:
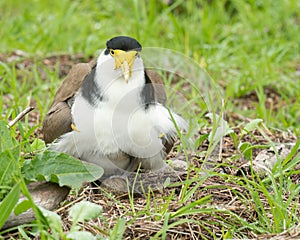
179	165
115	184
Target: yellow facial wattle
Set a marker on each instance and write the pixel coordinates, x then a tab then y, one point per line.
124	60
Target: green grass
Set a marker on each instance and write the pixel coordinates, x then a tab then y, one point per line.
251	48
246	45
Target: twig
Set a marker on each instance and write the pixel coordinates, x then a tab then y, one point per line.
20	116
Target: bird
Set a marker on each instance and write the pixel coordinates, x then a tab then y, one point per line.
112	112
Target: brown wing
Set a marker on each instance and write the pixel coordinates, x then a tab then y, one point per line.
73	81
58	120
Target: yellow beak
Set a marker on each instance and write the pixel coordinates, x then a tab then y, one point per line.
124	60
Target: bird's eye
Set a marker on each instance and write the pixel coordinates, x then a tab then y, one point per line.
112	52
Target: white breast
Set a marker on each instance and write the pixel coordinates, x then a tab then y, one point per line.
117	123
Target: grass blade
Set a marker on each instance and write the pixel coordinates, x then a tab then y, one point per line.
8	203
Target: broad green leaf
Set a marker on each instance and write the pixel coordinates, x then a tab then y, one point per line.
22	207
5	137
84	211
79	235
37	144
8	203
60	168
251	126
53	219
